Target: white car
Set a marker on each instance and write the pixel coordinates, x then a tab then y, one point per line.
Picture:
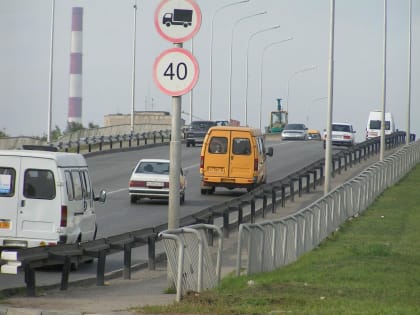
342	134
150	179
295	132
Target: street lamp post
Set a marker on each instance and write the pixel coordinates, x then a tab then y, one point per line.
133	73
211	53
230	60
407	137
382	141
261	72
247	65
291	77
51	74
328	142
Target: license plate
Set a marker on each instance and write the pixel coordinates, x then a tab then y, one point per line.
4	224
216	169
155	184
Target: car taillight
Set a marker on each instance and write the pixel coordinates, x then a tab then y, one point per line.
347	137
166	185
255	164
201	161
63	219
136	183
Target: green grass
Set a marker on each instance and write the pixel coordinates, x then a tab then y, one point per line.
370	266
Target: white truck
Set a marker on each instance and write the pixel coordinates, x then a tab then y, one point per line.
373	128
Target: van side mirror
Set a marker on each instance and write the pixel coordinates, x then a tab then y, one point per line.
102	196
269	151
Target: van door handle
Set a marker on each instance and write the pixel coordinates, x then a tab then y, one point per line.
22	203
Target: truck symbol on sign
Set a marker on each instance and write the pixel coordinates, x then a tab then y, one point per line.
178	17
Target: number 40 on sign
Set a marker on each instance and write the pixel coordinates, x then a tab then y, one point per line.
175	71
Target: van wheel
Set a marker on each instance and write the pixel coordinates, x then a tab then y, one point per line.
133	199
188	144
182	199
203	191
211	191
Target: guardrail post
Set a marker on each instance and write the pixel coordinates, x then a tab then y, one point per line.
30	280
100	272
151	242
252	210
127	261
65	273
226	224
273	200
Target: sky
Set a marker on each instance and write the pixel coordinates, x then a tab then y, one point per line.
263	69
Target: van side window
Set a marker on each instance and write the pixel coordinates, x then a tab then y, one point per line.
77	185
7	181
241	146
218	145
69	186
39	184
86	184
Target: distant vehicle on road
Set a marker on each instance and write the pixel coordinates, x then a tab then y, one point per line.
373	128
342	134
150	179
314	134
197	131
178	17
295	132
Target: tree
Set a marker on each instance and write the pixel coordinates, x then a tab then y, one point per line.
74	126
3	134
92	126
56	133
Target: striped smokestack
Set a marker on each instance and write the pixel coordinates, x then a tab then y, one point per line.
75	90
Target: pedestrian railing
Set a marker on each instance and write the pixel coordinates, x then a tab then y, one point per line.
190	262
272	244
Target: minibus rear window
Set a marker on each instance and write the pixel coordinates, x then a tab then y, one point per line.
241	146
39	184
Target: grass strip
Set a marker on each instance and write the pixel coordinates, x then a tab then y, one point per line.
370	266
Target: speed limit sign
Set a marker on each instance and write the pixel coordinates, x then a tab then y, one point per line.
175	71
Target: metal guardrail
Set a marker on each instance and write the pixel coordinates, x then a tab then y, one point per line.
27	260
269	245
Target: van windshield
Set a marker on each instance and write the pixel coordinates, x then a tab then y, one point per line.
376	124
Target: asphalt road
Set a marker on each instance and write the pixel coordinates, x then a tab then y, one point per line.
112	171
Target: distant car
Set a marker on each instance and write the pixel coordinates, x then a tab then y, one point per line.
314	134
342	134
197	131
295	132
150	179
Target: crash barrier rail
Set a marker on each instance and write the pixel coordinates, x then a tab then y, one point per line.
191	266
93	143
272	244
231	213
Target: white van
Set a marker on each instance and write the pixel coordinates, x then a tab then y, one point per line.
46	198
373	128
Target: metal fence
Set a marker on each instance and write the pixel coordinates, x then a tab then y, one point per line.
271	244
190	262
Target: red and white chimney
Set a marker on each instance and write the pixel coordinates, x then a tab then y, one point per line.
75	90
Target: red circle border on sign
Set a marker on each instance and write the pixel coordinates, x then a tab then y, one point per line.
194	80
185	38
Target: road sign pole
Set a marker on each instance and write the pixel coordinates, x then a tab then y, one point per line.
175	157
